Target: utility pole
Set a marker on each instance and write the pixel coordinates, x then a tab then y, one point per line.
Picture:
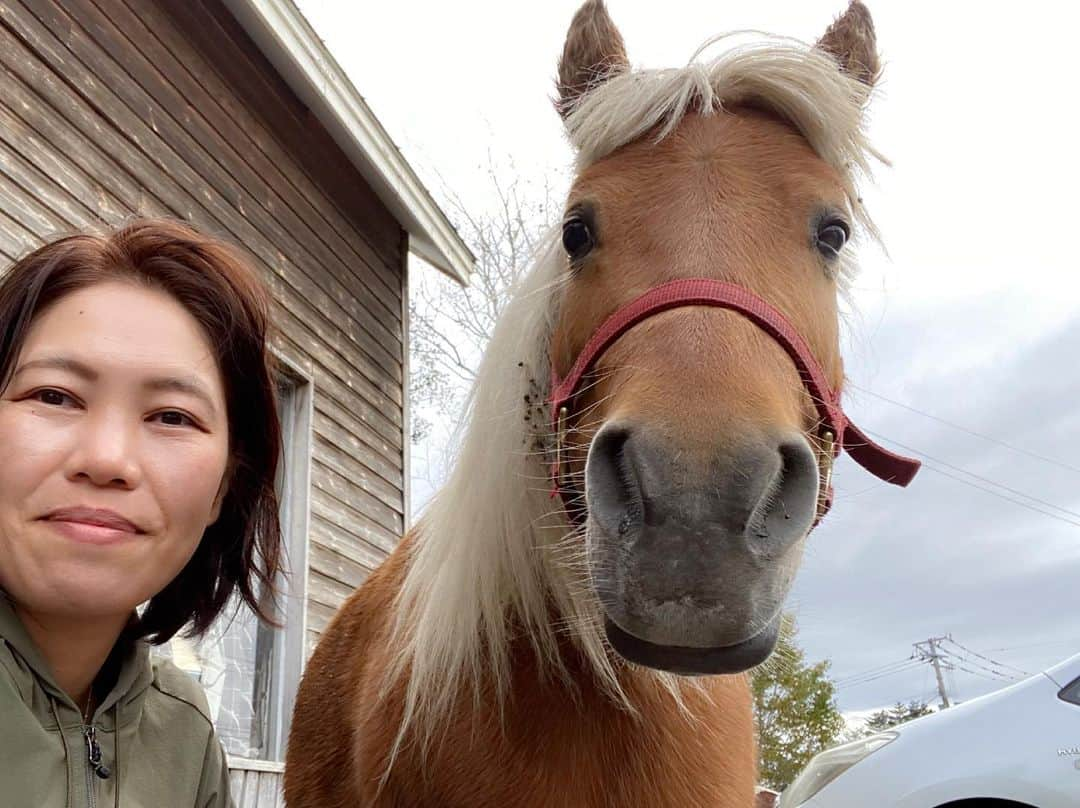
927	650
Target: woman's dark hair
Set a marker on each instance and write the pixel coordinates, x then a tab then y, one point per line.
240	552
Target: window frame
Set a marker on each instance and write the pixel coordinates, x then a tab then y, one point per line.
297	398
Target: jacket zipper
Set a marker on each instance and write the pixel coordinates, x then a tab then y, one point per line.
93	763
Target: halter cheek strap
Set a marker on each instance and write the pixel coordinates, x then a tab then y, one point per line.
834	432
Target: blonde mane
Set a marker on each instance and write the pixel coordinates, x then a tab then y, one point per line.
489	561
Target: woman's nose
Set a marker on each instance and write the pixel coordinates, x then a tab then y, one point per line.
105	452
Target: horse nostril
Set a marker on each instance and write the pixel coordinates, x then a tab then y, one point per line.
764	497
788	505
613	490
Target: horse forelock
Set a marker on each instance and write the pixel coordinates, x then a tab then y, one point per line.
801	84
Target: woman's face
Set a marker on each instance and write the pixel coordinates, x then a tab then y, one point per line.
113	451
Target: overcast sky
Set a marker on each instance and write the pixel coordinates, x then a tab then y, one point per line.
973	317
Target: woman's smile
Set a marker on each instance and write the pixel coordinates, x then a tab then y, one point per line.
92	525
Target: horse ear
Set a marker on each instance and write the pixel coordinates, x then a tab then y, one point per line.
593	52
851	41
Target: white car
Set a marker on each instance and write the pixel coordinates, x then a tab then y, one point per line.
1016	748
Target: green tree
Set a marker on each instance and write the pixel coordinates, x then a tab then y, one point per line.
897	714
795	708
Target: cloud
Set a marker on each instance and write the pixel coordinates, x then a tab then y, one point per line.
891	567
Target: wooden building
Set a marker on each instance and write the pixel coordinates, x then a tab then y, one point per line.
232	115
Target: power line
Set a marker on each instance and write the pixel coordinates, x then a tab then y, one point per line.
986	658
987	480
873	670
972	432
955	660
952	664
986	673
859	680
867	681
943	661
994	493
848	685
1011	648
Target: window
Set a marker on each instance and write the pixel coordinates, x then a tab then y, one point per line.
250	671
1071	692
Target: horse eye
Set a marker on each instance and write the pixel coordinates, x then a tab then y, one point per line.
577	238
831	237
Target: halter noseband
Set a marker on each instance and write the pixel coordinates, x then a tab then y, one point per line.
835	432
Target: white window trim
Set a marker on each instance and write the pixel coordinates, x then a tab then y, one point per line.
406	408
291	652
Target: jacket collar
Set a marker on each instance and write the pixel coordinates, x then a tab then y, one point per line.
134	677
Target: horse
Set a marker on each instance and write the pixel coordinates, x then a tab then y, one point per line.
648	443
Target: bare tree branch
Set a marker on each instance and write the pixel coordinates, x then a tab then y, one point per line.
451	324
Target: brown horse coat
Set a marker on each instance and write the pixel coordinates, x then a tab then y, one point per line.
557	743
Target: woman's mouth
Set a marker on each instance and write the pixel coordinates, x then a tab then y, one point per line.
92	525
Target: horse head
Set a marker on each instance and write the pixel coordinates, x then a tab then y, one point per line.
692	452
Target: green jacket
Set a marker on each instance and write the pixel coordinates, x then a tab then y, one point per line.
153	730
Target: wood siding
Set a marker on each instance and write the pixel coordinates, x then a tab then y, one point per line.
110	108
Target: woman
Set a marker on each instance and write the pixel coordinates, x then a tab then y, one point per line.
139	442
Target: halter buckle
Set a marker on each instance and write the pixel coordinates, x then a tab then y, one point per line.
560	438
828	443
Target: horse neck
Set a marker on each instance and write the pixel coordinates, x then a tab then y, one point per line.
560	726
538	686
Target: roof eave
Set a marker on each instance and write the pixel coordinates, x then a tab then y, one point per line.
288	41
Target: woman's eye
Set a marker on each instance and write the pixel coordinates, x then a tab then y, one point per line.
831	238
54	398
173	418
577	238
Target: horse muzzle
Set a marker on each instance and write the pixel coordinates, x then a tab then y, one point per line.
692	555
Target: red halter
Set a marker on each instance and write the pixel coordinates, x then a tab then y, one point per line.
835	431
